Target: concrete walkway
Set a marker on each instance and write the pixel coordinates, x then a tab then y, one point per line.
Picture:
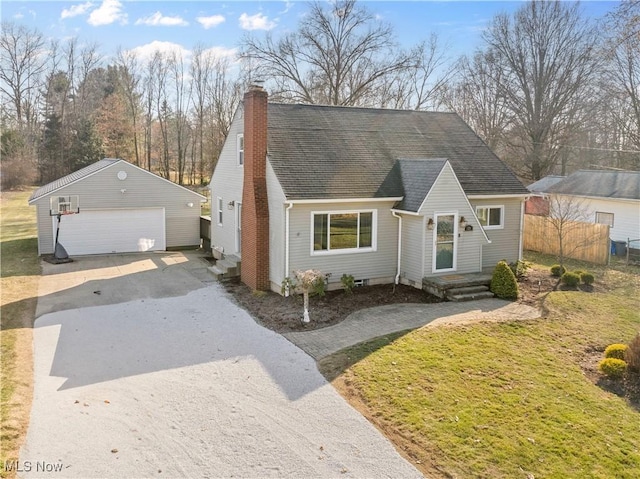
373	322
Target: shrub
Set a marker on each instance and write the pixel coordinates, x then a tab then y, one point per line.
570	279
632	355
587	278
319	288
519	268
503	283
615	351
558	270
612	367
287	285
348	283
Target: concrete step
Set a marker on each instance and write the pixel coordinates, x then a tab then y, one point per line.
216	272
468	289
223	273
229	267
470	296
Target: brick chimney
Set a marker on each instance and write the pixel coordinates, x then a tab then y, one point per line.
255	207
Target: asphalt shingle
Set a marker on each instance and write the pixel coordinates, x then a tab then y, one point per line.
329	152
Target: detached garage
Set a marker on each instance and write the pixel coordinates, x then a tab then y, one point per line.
122	209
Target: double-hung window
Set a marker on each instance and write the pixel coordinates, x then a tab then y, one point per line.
219	211
240	149
604	218
491	217
343	232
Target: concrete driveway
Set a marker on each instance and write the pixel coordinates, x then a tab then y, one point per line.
156	373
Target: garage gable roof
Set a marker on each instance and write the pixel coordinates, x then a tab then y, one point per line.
88	171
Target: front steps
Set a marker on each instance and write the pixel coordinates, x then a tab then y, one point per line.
468	293
226	269
459	287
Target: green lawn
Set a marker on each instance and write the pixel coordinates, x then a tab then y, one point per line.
504	400
20	270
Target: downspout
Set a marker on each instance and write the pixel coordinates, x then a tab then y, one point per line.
397	280
286	244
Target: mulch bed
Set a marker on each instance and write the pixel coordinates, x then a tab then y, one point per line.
285	314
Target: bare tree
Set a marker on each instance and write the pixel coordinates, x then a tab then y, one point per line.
130	80
621	79
182	99
546	53
567	214
22	62
337	56
476	96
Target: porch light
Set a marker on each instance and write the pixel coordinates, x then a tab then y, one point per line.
463	222
190	204
231	204
430	224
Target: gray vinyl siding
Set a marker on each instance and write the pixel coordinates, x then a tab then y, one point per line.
377	266
505	243
446	196
227	182
412	250
102	190
276	229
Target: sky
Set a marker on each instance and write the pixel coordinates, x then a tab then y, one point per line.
145	26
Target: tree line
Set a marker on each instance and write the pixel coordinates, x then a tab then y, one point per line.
549	90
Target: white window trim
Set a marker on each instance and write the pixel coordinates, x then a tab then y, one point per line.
613	218
330	252
492	227
219	210
435	243
238	150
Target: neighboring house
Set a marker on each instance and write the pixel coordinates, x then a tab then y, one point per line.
383	195
607	197
123	208
537	203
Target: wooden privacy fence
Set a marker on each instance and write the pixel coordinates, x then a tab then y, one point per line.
583	241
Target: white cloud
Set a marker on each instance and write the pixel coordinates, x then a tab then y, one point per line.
18	16
256	22
76	10
209	22
109	12
146	52
159	20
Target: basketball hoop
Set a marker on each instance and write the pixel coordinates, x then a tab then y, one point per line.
64	205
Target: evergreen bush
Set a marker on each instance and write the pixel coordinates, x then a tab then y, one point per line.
587	278
557	270
570	279
612	367
615	351
503	282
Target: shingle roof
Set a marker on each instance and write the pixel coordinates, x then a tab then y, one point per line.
411	179
543	184
344	152
70	178
598	183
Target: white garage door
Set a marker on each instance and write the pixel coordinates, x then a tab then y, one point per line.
112	231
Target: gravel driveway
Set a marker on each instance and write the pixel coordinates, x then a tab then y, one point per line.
188	386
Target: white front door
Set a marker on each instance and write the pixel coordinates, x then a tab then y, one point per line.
445	242
239	228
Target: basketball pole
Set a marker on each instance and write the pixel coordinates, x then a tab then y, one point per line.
59	252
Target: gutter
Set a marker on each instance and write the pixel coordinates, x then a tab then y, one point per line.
395	214
286	242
